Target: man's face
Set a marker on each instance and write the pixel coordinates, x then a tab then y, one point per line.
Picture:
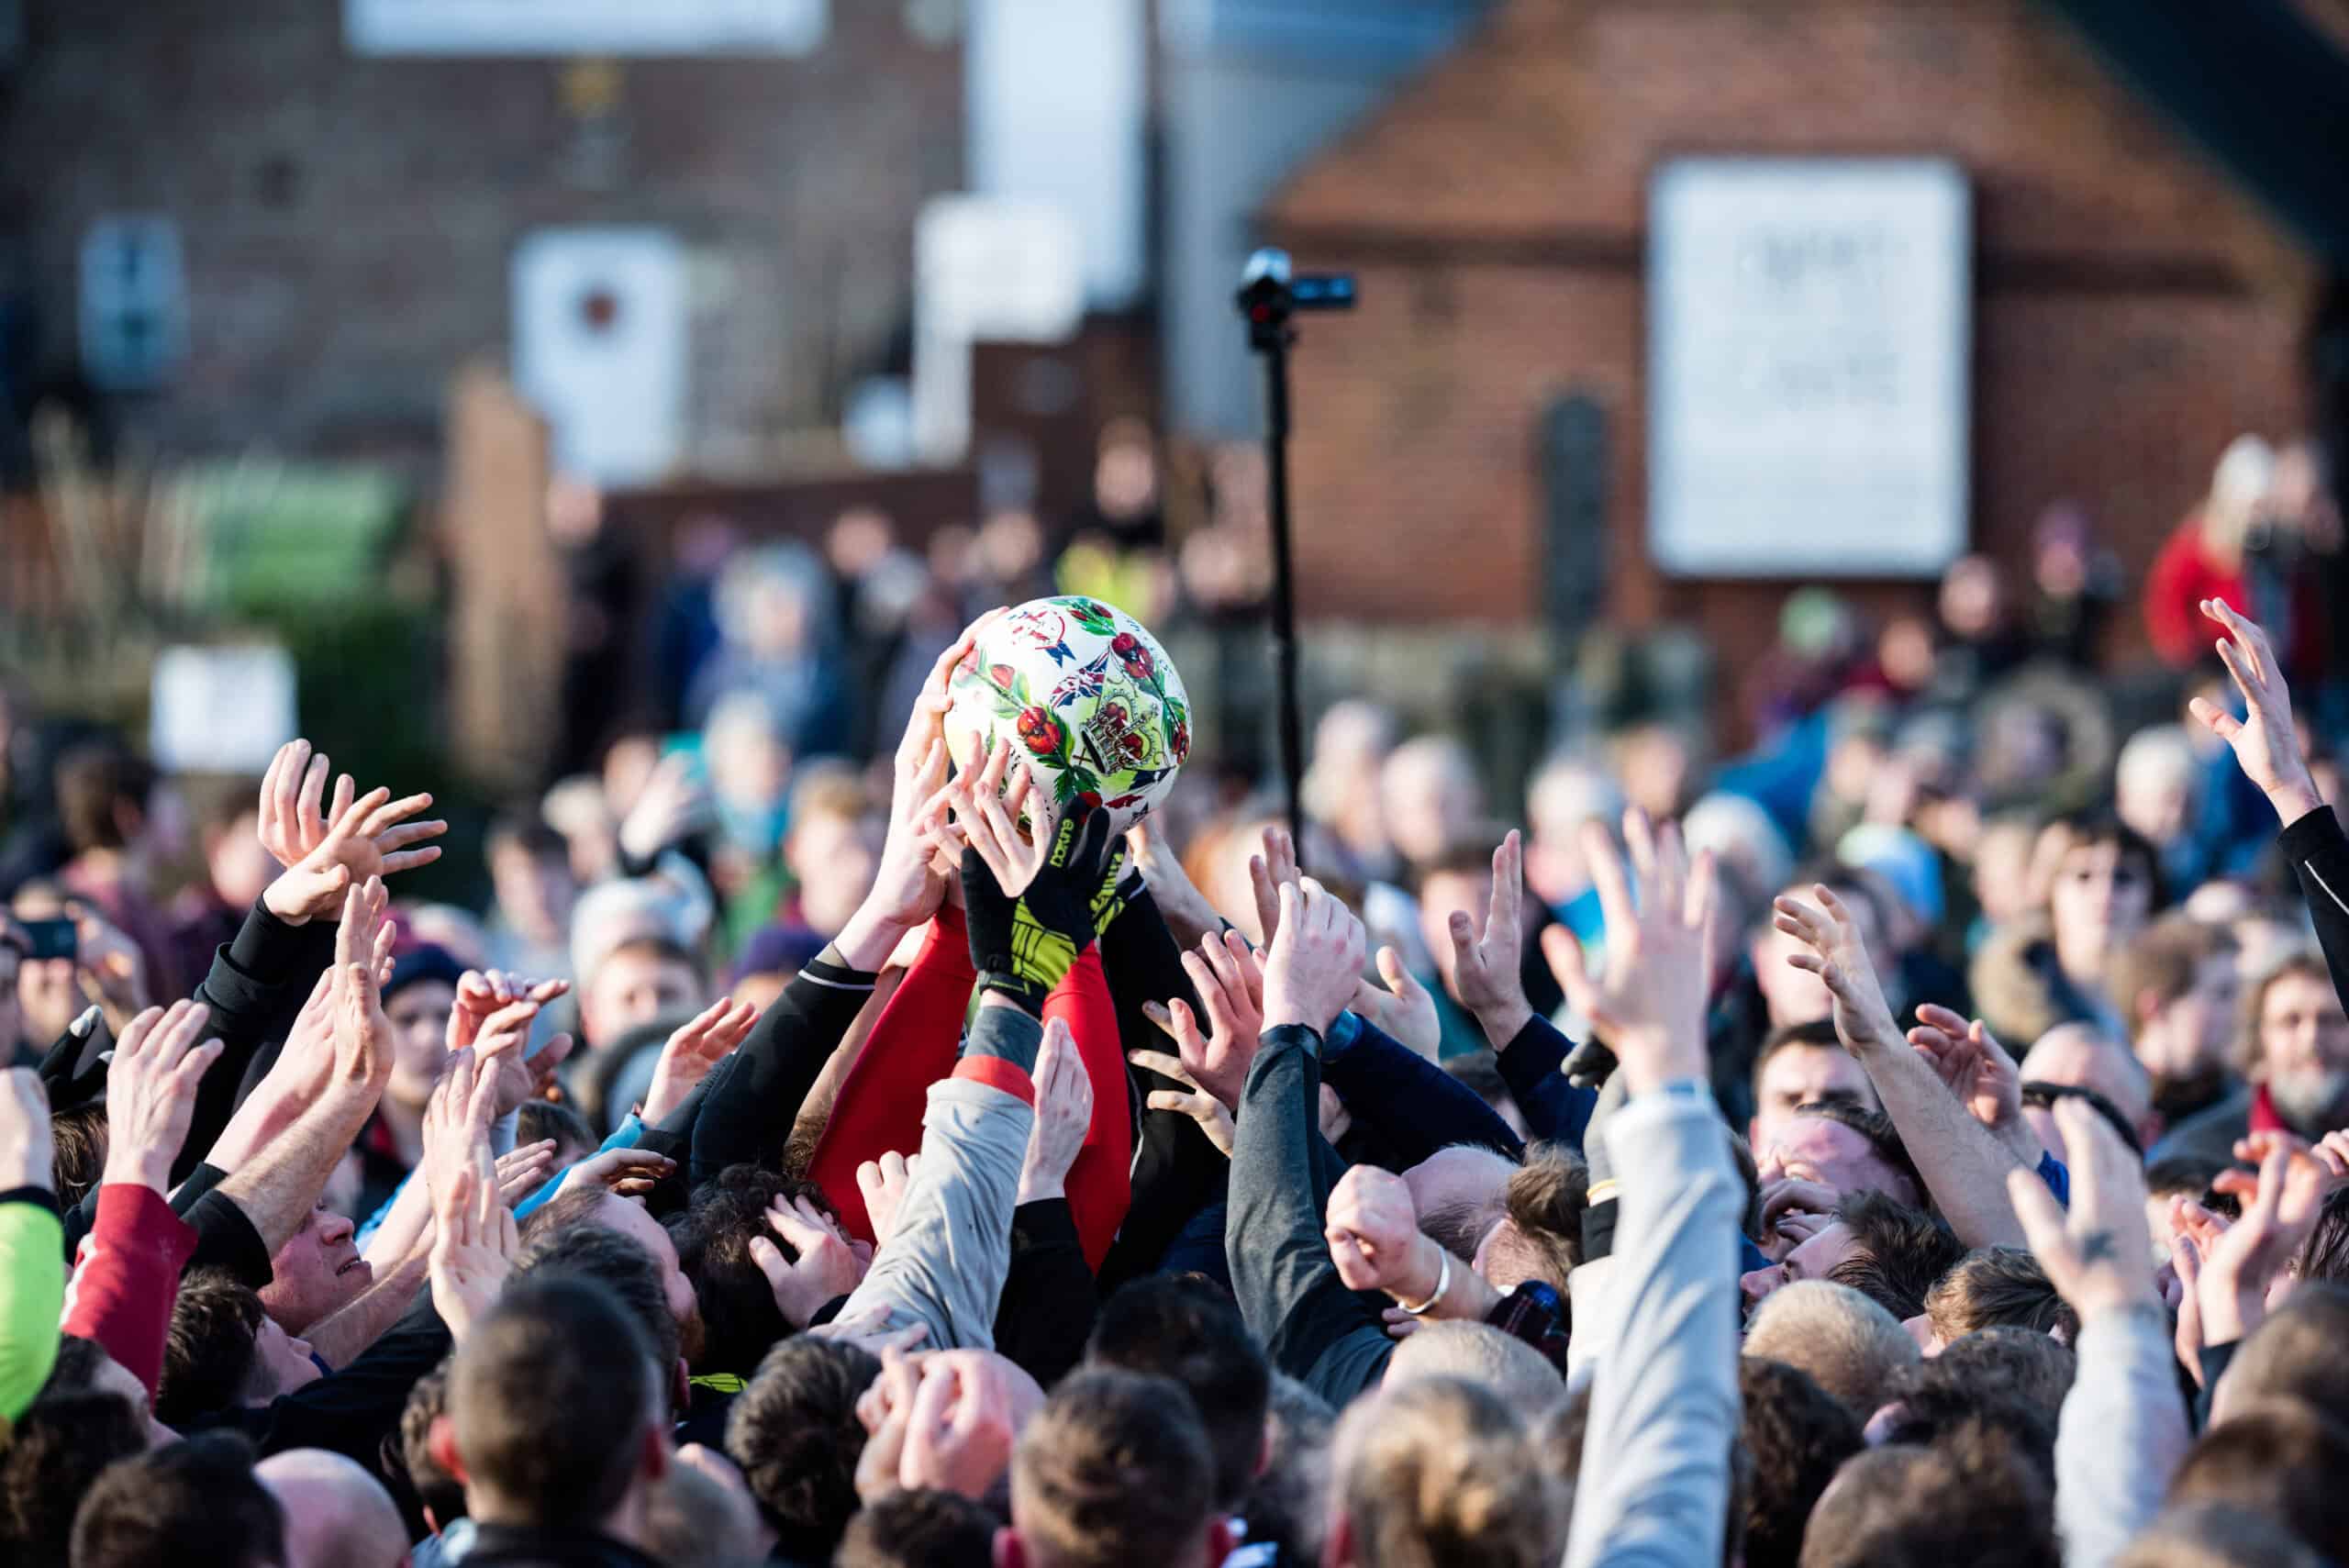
1441	894
535	892
1812	1259
635	988
2191	1033
2098	901
2304	1049
630	1219
833	858
1814	1149
240	869
419	1014
284	1361
1806	1075
316	1273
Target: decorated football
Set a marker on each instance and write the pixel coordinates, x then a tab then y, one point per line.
1087	698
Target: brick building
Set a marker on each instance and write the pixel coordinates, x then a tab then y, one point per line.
2132	309
347	219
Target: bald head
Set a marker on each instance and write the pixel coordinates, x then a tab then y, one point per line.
336	1516
1459	1193
2086	1058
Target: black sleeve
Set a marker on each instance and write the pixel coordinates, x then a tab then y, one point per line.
1176	1171
749	1112
351	1411
2320	857
1313	1327
224	1239
256	989
1045	1314
1416	1106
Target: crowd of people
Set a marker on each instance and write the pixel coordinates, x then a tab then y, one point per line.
1869	1151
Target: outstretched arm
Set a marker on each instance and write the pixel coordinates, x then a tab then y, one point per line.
1963	1166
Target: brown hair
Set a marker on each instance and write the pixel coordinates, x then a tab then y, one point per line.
2278	1457
1545	1200
1998	1287
94	782
1440	1473
1969	1500
1797	1435
2162	958
2249	1051
1901	1252
2297	1353
1115	1469
1851	1346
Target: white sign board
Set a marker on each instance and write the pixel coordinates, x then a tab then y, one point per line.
219	710
600	330
1003	271
584	27
1809	335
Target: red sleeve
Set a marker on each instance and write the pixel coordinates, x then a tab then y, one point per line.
2174	592
127	1276
914	1043
1099	1183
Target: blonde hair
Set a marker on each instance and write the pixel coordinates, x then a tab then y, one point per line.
1850	1344
1481	1353
1441	1472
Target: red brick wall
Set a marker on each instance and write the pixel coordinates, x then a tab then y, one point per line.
2132	311
346	221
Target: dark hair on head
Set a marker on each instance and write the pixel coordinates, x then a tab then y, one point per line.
1115	1469
1817	1033
197	1501
2183	1175
552	1396
1995	1287
540	1119
621	1265
741	1320
1184	1328
1970	1497
78	1140
1797	1436
2039	1095
2210	1535
2161	959
2284	1458
1933	1404
54	1450
95	781
1876	1128
918	1529
578	1202
2036	1367
2251	1051
411	1445
78	1363
1480	1072
795	1433
1467	852
2097	826
2325	1254
523	829
1897	1253
212	1351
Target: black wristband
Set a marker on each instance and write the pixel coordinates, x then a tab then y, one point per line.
1598	1231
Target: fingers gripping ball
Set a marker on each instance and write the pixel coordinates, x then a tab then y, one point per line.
1087	697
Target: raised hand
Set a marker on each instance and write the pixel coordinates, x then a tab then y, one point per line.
457	1117
672	805
631	1172
882	1183
1839	957
1064	1114
694	1051
1968	1059
494	1016
1649	1007
25	1153
1267	873
825	1267
2265	745
523	1169
327	853
362	1035
1404	1010
2097	1254
1028	902
1373	1229
1484	973
1231	988
151	1091
1184	908
2281	1203
1191	1100
966	1416
1315	962
473	1246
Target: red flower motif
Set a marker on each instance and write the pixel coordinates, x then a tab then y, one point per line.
1001	675
1039	733
1123	801
1181	744
1132	743
1087	798
1135	657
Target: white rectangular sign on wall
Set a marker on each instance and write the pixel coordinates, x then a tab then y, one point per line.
1809	329
528	27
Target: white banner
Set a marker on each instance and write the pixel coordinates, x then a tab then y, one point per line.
1809	326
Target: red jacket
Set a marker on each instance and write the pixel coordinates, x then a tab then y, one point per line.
126	1275
2183	574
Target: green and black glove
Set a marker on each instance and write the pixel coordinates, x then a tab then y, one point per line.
1024	947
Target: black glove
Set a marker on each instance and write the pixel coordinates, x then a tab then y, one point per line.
1024	947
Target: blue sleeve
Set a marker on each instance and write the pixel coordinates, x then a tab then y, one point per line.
1530	1066
1417	1107
625	1135
2058	1179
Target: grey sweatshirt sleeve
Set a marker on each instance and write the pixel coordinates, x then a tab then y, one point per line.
945	1262
2121	1436
1655	1483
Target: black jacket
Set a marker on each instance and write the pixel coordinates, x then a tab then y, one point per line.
512	1546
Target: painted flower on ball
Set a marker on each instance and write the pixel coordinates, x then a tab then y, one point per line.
1180	743
1129	648
1039	733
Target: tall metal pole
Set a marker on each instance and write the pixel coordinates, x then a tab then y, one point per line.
1292	722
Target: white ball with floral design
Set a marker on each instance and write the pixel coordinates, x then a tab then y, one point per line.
1087	699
